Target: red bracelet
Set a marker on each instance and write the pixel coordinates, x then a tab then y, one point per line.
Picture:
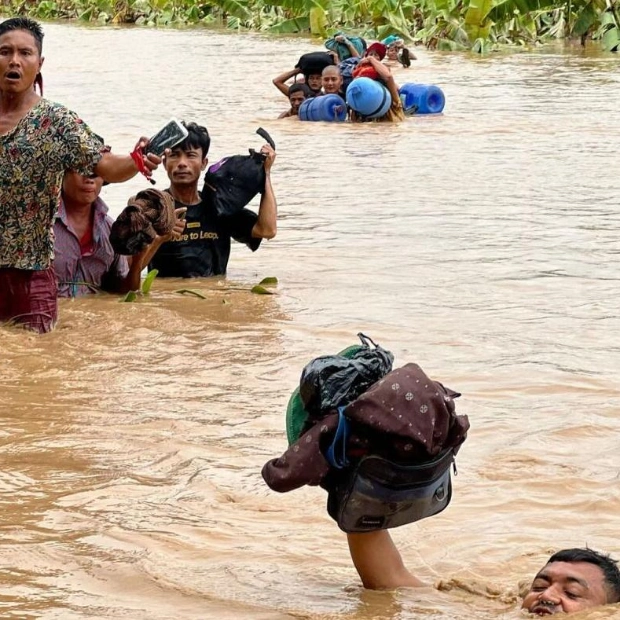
138	157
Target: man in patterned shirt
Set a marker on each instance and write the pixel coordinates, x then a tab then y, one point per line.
39	140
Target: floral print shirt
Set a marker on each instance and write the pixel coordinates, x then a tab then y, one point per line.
33	158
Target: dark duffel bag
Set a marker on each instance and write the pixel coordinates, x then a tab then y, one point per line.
314	63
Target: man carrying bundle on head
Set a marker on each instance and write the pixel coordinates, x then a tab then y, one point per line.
311	80
309	65
344	46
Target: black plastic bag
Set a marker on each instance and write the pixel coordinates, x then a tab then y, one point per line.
313	63
232	183
333	381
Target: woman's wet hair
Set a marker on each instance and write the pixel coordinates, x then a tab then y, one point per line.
404	58
24	23
198	138
608	565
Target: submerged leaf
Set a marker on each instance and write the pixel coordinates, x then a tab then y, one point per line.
271	281
189	291
261	290
131	296
148	281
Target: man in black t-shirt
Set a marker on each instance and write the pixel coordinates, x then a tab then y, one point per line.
203	248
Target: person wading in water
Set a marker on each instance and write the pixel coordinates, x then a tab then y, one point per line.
39	141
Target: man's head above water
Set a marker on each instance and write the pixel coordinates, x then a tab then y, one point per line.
332	80
572	580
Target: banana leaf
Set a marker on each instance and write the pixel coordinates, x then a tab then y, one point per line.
290	26
611	40
476	23
480	46
318	21
301	7
234	8
261	290
446	45
148	281
505	9
586	18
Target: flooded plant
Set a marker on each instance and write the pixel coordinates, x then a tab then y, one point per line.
145	289
477	25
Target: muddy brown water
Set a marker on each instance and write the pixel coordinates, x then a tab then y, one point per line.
482	244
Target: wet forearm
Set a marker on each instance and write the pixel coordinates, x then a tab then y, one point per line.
266	225
138	263
131	282
352	49
116	168
280	81
378	561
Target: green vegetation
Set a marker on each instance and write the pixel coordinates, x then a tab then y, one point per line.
439	24
258	289
145	289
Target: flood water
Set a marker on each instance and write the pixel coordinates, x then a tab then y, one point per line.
482	244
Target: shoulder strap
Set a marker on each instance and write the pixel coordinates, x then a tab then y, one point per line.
337	452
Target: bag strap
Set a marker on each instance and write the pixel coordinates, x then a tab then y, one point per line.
337	451
383	100
366	339
266	137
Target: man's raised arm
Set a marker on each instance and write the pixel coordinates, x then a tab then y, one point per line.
378	562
